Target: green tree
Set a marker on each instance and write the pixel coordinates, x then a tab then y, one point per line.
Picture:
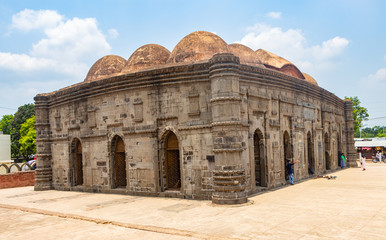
360	114
376	131
381	135
22	114
5	124
28	138
381	132
370	132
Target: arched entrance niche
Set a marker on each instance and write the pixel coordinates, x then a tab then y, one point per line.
327	151
77	162
310	154
339	148
118	163
172	162
287	152
258	144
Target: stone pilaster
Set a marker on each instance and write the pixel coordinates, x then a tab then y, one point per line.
43	174
229	174
350	146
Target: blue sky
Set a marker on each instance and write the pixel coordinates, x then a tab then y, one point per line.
47	45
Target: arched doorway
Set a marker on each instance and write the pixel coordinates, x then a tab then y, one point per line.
258	143
327	151
118	163
77	162
172	162
310	154
339	150
287	152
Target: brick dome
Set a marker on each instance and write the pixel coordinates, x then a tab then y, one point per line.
310	79
278	63
247	56
195	47
198	46
107	66
147	56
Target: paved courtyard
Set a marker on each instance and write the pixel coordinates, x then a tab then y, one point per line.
353	206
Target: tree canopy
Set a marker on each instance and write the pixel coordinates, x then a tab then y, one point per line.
22	114
5	124
376	131
28	138
360	114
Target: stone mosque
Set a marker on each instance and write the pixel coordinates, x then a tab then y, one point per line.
209	120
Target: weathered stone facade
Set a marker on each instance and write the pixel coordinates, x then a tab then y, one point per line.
209	126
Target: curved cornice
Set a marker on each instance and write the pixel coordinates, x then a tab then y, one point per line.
197	72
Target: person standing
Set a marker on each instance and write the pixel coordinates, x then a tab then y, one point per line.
290	170
342	161
363	163
379	156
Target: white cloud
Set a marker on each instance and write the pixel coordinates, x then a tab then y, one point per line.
72	40
274	15
67	47
292	45
23	62
26	63
373	80
330	48
273	38
29	19
113	33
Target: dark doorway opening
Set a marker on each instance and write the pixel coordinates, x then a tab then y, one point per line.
310	155
339	150
76	150
172	162
287	152
258	143
119	163
327	151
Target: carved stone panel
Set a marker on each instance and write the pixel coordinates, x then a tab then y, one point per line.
138	110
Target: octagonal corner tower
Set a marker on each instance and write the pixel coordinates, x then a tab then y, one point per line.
206	121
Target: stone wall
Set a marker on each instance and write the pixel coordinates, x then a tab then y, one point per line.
274	109
216	110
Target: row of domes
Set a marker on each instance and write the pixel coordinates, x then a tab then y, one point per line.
197	46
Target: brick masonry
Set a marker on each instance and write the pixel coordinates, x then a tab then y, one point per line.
17	179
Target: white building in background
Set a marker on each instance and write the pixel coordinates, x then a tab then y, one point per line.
5	147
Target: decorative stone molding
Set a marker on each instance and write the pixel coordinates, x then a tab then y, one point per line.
229	186
222	150
224	99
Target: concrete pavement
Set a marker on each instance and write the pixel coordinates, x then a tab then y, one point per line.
353	206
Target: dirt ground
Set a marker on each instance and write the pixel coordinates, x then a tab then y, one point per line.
352	206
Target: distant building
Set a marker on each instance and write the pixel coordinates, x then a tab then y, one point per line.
5	147
368	147
206	121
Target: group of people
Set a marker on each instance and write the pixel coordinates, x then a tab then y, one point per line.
377	158
289	167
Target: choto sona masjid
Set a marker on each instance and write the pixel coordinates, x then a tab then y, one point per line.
209	120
